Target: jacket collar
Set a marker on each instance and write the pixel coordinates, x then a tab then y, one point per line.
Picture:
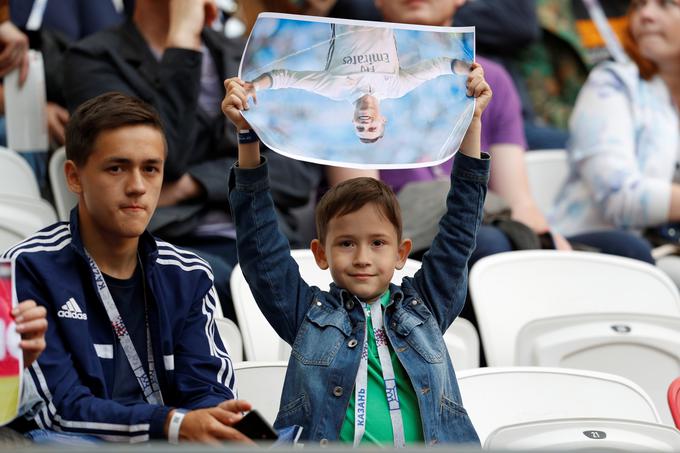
341	294
148	249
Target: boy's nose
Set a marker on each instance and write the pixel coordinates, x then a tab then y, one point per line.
136	184
361	257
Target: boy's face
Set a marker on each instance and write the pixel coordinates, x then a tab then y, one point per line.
362	251
119	185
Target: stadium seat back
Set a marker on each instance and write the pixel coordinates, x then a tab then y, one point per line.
261	384
64	199
16	176
497	397
585	434
547	170
20	217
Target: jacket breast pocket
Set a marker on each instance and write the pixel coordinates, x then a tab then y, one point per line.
417	326
322	333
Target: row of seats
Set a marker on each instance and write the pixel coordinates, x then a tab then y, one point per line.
525	408
541	308
534	308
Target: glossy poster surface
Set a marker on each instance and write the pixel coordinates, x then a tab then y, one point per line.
358	94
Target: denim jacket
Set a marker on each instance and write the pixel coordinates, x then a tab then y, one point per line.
326	329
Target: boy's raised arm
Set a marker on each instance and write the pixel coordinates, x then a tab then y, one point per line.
443	277
263	251
233	103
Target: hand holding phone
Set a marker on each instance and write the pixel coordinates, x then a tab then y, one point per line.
256	427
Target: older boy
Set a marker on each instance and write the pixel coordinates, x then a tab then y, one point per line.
132	350
405	389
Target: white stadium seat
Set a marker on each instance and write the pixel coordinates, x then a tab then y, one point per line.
261	384
497	397
64	199
591	434
231	337
462	343
16	176
580	310
547	170
20	217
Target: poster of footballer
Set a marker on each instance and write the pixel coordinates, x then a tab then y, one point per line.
356	93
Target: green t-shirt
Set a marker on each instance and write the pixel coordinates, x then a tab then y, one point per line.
378	421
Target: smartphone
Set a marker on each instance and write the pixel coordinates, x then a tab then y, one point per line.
256	427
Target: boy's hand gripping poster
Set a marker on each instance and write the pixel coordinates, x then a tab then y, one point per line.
10	354
358	94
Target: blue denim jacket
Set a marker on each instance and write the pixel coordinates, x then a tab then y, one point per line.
320	325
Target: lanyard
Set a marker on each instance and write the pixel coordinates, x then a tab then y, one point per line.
361	386
148	384
610	39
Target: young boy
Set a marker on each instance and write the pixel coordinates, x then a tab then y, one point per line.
368	360
132	349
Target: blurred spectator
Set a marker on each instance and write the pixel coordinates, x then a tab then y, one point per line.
503	29
502	136
343	9
61	23
166	56
556	67
74	19
548	46
14	45
625	137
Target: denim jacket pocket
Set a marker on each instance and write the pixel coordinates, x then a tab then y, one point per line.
418	327
321	335
293	412
456	423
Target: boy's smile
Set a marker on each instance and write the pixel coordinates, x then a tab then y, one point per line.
362	251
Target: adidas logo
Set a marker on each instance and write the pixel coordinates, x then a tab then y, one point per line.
71	310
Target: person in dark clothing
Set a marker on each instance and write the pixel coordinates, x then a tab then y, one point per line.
167	57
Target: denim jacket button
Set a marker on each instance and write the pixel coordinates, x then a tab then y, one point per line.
352	343
323	442
337	391
414	302
349	304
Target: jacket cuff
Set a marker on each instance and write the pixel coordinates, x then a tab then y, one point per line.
157	424
249	179
466	167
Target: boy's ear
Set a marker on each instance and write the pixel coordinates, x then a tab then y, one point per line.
319	254
72	177
403	252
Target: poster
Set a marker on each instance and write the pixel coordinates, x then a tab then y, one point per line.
10	355
358	94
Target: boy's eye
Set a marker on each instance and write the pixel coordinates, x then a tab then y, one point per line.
346	244
114	169
151	169
378	242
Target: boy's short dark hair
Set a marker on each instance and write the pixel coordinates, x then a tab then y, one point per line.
105	112
350	196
